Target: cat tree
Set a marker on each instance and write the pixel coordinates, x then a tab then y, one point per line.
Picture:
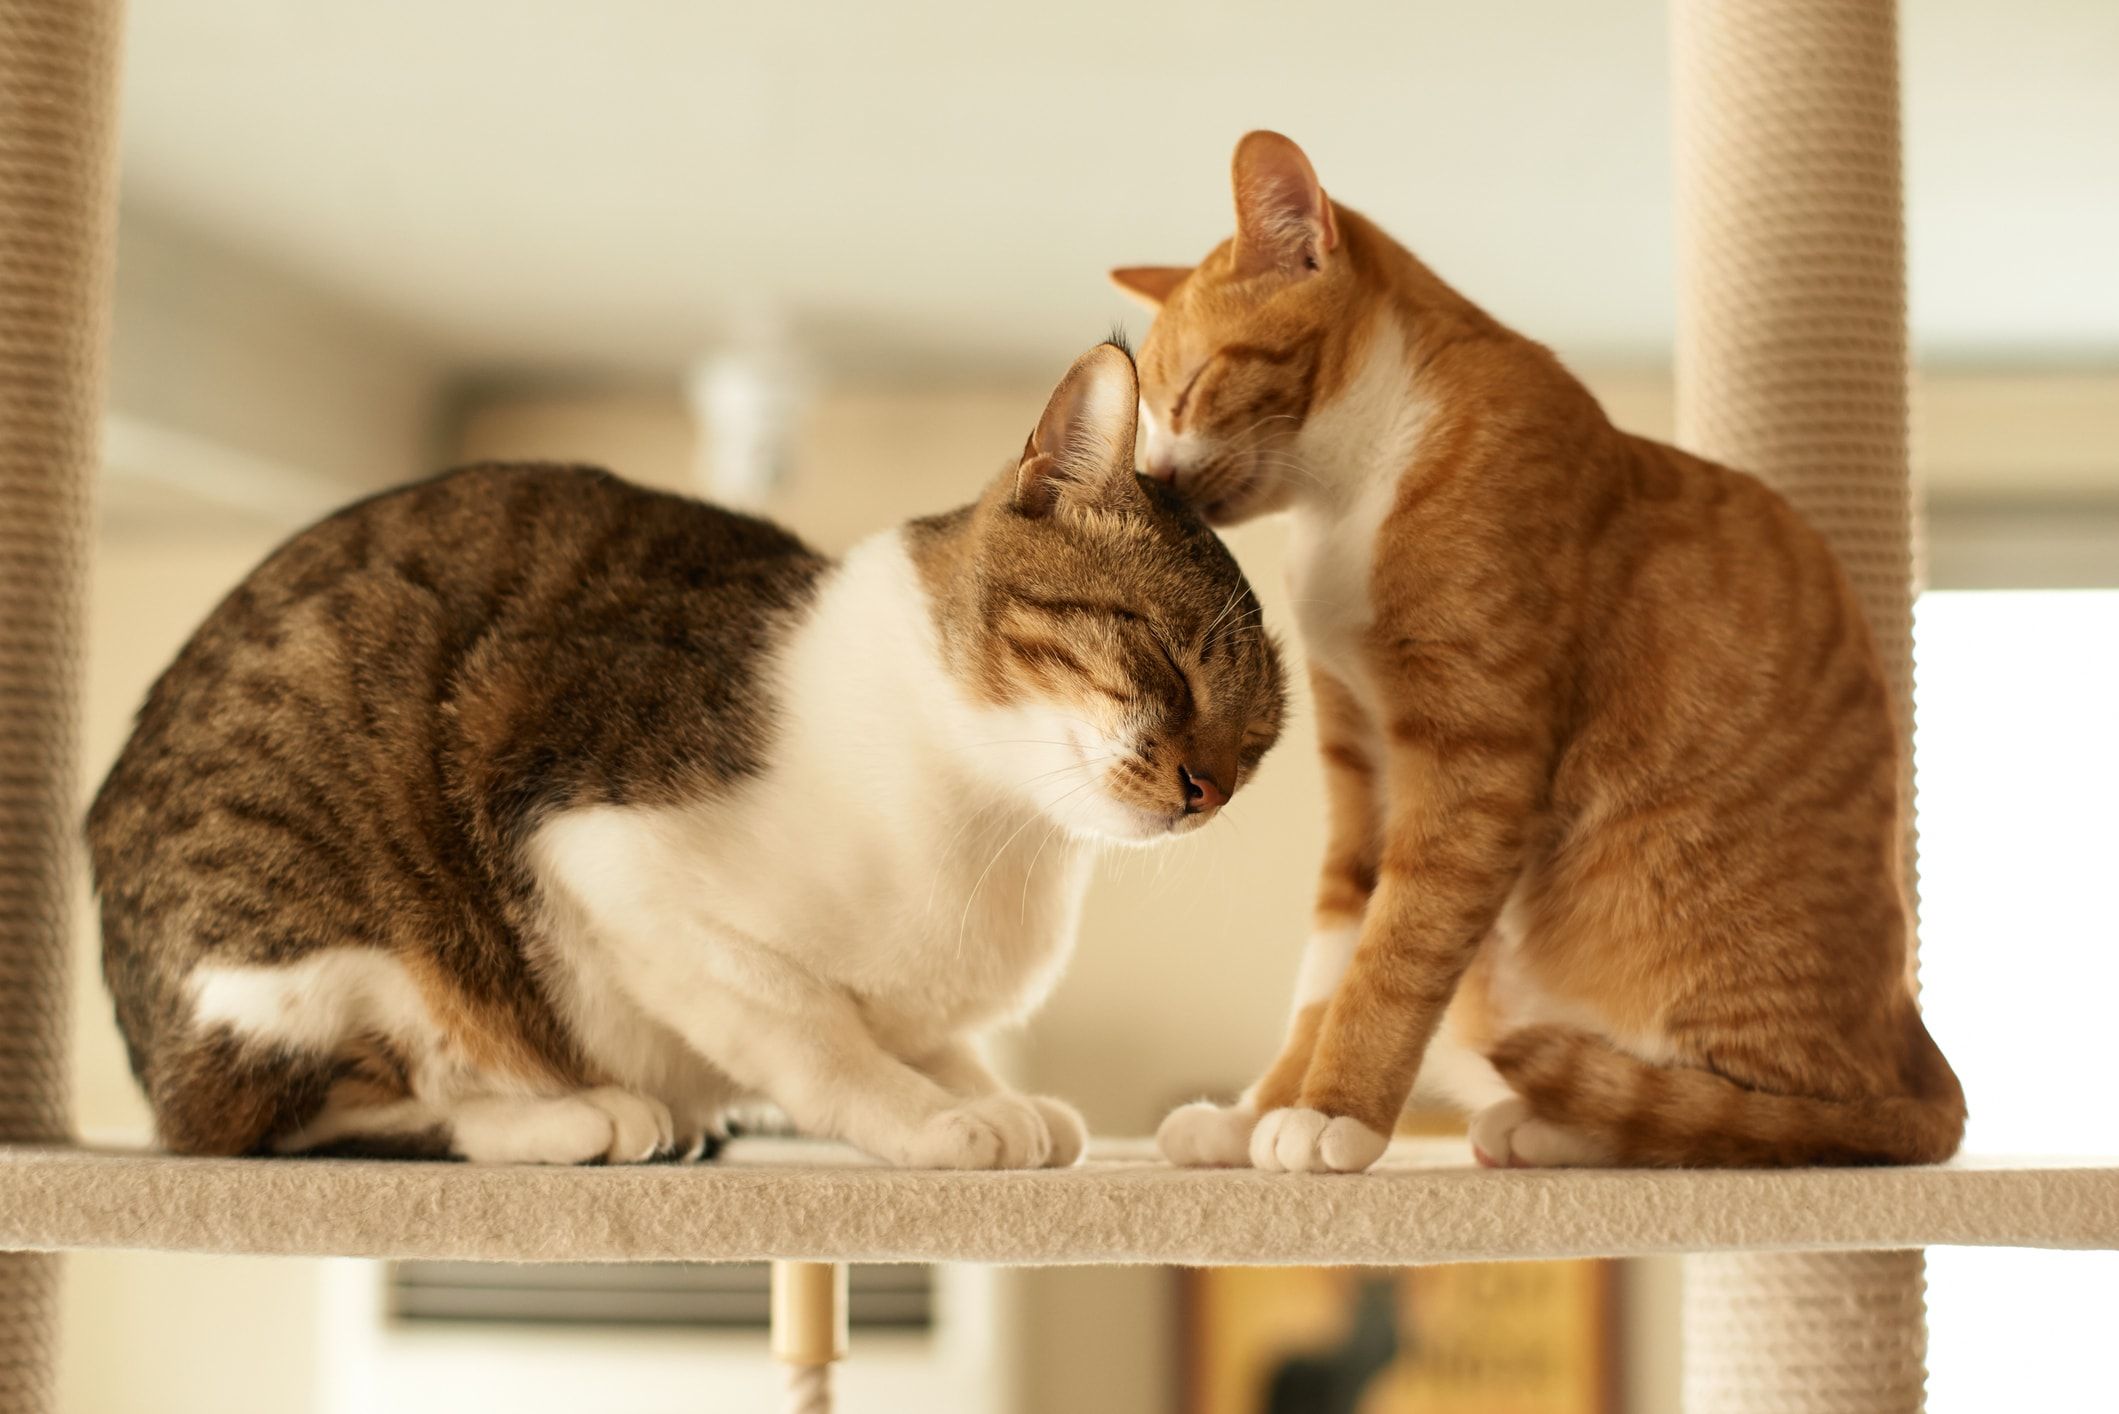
1805	1293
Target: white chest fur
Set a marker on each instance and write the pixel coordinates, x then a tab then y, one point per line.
1359	448
1331	558
875	860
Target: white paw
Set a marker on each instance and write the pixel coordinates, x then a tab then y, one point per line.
1206	1135
1506	1135
566	1131
561	1129
1066	1129
993	1132
641	1127
606	1125
1309	1141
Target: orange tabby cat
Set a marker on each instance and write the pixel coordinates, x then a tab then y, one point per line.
1614	779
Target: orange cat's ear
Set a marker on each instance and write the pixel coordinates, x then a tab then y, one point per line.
1152	285
1082	448
1283	219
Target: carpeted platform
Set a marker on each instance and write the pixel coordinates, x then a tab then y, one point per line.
1424	1204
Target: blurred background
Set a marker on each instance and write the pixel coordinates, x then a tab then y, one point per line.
827	260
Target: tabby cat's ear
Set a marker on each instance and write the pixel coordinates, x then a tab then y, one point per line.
1150	284
1283	219
1082	450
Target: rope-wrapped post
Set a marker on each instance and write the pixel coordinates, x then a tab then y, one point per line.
808	1330
58	95
1791	363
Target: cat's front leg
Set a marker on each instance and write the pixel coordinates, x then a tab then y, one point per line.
806	1047
958	1068
774	1026
777	1030
1453	844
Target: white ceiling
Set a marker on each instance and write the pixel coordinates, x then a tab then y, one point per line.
549	185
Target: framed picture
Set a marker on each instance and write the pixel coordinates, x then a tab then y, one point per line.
1487	1338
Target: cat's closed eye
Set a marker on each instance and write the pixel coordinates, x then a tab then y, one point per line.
1187	694
1177	409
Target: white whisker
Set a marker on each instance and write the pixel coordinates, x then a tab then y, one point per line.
970	898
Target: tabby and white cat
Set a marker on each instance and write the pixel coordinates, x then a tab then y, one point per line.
527	815
1614	779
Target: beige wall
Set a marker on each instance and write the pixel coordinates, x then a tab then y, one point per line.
236	381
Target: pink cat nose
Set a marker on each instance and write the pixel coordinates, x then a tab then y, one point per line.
1202	791
1163	467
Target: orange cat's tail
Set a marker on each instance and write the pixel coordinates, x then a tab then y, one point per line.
1653	1116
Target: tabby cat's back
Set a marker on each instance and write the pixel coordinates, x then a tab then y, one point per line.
348	749
527	815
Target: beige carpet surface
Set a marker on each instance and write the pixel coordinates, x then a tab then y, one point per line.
778	1199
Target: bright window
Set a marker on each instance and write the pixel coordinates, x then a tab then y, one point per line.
2018	756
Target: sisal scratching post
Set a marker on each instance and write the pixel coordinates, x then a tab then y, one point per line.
1791	363
58	71
809	1330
